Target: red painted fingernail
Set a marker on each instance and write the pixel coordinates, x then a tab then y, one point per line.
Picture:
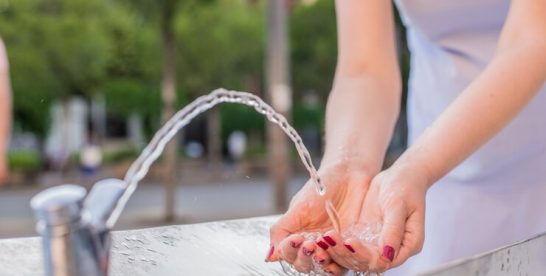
350	248
329	240
294	244
388	252
270	253
307	252
322	245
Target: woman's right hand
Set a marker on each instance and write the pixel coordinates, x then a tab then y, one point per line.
346	186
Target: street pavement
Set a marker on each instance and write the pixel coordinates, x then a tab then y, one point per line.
226	199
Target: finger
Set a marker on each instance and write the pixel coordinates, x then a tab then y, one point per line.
304	261
321	257
394	226
286	225
335	269
289	247
364	254
413	238
339	253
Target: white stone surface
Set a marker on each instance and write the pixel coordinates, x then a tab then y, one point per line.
238	247
235	247
526	258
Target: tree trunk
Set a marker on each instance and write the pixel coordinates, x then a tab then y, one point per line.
214	143
278	89
168	96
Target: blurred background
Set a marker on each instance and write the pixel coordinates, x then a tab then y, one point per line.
92	80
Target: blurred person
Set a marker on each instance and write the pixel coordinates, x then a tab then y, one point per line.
236	144
5	113
477	135
91	158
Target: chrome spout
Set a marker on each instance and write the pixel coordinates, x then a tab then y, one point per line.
75	238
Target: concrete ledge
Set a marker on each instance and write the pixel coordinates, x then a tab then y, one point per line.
238	247
235	247
527	258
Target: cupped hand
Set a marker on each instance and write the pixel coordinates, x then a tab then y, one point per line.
396	201
346	186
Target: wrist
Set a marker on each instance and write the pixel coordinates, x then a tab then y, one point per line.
353	163
409	165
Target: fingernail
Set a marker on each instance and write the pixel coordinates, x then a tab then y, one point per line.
388	252
350	248
322	245
294	244
270	253
307	252
329	240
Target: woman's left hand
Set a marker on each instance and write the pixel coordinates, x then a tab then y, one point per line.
395	200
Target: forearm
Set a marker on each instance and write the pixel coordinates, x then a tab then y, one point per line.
364	102
360	117
509	82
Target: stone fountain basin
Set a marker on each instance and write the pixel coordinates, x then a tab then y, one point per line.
238	247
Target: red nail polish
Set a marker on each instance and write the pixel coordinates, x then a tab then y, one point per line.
308	252
329	240
388	252
350	248
270	253
322	245
294	244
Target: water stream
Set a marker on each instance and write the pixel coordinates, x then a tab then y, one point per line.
154	149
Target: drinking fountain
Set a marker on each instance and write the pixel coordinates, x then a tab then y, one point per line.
75	226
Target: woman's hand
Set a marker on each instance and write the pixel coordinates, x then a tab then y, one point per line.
395	200
346	186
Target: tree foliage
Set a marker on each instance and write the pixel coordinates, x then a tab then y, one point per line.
57	49
62	48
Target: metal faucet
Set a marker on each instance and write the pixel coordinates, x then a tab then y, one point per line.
73	224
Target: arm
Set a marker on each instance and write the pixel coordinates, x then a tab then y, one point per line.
515	74
360	116
509	82
5	111
364	102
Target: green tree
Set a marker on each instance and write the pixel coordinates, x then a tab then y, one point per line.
313	47
57	49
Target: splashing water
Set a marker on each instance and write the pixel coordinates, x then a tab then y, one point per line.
153	150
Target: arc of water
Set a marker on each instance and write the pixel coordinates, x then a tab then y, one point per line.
153	150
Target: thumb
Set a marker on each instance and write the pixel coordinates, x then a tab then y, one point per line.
394	225
286	225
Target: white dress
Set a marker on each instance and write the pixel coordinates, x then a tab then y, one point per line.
498	195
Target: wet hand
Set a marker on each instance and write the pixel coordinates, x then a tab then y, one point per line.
346	188
396	201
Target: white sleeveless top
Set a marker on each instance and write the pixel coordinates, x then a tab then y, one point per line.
498	195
